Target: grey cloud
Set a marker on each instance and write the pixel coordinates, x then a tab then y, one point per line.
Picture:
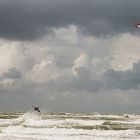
30	19
71	83
83	91
110	80
12	73
124	80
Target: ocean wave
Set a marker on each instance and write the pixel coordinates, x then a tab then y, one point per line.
71	126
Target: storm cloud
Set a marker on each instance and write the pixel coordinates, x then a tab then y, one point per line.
123	80
31	19
70	55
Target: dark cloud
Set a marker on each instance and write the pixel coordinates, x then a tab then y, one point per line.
83	90
12	73
124	80
30	19
84	81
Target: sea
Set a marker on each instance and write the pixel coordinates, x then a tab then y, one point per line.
68	126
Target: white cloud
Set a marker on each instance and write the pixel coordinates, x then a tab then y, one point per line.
68	35
126	50
13	55
7	82
80	62
67	62
44	71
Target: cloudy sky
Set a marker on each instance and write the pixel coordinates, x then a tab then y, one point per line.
70	55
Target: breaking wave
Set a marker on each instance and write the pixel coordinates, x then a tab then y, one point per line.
69	126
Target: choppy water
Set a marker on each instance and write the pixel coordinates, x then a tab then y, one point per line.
68	126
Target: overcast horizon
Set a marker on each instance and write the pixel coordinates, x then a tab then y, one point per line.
70	55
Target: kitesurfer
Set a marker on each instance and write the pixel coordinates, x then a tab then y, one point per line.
137	25
36	108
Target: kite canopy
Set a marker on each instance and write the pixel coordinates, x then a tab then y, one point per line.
137	25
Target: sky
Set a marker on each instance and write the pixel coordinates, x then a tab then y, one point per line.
70	55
